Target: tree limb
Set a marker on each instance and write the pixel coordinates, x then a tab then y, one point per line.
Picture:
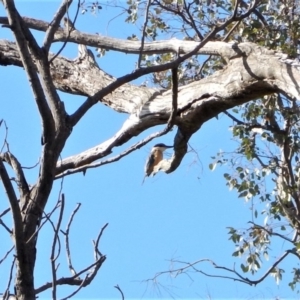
15	164
75	280
30	68
53	257
14	205
54	25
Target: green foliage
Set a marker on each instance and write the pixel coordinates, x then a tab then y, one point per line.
296	278
264	168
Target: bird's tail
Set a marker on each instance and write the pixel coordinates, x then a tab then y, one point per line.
143	179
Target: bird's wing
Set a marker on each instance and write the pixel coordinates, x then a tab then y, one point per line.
149	164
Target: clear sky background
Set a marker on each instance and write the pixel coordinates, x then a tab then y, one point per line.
183	215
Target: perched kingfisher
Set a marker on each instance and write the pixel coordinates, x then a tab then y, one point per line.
155	157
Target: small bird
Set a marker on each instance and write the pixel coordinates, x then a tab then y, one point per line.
155	157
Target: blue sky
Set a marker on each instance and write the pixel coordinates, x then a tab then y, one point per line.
183	215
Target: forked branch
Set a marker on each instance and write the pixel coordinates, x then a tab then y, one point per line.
237	276
91	271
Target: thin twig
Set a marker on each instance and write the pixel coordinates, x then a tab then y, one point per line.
21	179
71	268
117	157
4	212
54	25
96	244
10	277
144	31
48	219
203	65
68	36
29	168
75	280
14	205
55	238
239	277
6	254
119	289
231	30
5	137
78	289
192	21
6	227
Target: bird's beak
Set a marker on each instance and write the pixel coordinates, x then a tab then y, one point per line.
168	147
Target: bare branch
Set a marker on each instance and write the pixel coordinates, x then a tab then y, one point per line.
192	21
72	270
6	254
69	32
75	280
183	270
6	227
14	205
144	31
96	244
109	43
14	22
131	46
54	25
231	30
48	219
239	277
78	289
15	164
56	237
10	276
5	143
119	289
4	212
57	107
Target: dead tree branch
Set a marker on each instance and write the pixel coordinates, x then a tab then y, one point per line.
238	277
78	289
75	279
15	164
54	25
119	289
17	219
10	277
6	254
53	257
29	66
66	234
